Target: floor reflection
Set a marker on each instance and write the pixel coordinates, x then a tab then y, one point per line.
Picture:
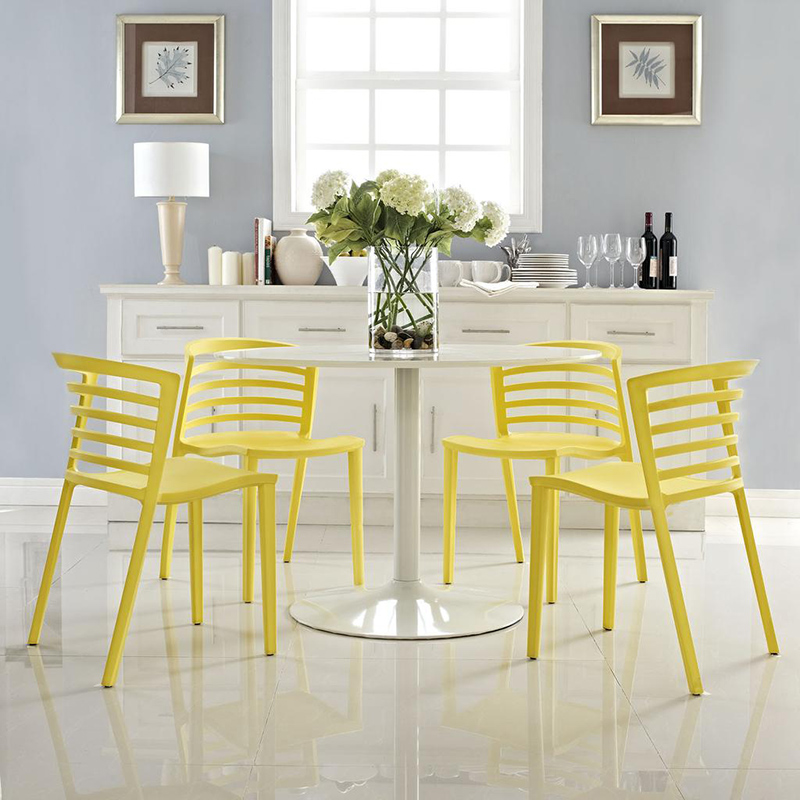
421	724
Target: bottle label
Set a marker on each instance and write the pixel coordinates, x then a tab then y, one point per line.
673	266
653	267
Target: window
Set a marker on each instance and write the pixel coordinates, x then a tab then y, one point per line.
449	89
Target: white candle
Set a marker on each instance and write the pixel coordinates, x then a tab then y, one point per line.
248	269
214	266
231	268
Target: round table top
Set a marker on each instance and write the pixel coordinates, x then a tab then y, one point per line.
449	355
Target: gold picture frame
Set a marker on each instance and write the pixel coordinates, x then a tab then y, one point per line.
204	102
681	32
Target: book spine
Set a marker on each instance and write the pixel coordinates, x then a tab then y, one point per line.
268	242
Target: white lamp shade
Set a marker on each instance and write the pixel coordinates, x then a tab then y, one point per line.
170	169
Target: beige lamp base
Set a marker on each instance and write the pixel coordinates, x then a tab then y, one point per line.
171	220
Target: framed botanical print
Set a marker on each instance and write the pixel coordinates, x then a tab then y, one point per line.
171	69
646	70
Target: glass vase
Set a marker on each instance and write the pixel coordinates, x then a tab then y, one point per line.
403	297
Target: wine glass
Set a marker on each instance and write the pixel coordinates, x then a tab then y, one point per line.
587	253
612	252
635	251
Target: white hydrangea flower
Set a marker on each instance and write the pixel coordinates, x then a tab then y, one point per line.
386	175
328	188
499	221
407	194
463	206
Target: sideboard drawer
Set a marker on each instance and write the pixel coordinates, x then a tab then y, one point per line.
306	323
466	323
163	327
647	333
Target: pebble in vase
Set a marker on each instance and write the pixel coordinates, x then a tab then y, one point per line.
298	259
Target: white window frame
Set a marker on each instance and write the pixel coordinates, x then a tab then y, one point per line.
284	110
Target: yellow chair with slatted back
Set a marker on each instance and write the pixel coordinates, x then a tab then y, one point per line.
539	394
648	486
161	480
288	393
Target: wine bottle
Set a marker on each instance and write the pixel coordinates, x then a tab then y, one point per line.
669	255
648	278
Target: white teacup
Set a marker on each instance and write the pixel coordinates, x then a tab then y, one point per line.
490	271
450	273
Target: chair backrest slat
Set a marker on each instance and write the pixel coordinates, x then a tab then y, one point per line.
113	416
271	395
521	398
113	394
700	460
159	406
113	440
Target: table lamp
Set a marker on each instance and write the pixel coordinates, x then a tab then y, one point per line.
170	169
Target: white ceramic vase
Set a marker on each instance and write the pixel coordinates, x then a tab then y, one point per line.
350	270
298	258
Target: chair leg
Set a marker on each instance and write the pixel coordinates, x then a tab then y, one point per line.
129	593
676	601
355	474
450	492
50	565
638	546
540	533
755	569
196	559
294	507
249	535
167	540
513	508
553	467
269	598
611	546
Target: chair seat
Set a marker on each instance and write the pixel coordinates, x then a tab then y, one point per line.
622	484
535	445
269	444
184	480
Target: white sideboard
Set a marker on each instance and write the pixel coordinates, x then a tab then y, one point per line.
656	329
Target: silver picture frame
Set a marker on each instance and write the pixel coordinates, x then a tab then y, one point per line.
217	115
599	117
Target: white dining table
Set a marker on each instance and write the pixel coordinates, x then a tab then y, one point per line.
406	607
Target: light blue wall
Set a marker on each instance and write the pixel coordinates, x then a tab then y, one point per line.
69	221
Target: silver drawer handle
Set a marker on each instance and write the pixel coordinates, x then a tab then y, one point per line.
485	330
375	428
433	429
322	330
180	327
630	333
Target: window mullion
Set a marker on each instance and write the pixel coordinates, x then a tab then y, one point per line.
442	91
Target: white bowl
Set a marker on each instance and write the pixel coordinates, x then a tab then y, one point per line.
349	270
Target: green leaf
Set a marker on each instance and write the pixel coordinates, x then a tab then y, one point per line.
340	209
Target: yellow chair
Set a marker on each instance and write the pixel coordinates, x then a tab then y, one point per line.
522	396
289	399
648	486
161	480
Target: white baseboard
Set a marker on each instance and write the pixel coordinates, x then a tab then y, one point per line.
45	492
761	502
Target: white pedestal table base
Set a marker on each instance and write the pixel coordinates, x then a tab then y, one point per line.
406	610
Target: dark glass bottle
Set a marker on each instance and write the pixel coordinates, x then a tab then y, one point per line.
669	256
648	279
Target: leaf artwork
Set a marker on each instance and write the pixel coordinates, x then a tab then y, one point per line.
647	67
172	66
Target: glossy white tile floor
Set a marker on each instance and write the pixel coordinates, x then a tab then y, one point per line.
199	712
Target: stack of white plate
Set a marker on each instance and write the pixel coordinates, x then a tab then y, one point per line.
549	270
